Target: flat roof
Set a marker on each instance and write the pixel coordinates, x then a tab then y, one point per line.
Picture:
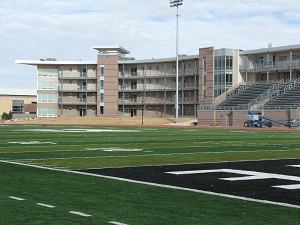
272	49
173	59
18	92
45	62
112	49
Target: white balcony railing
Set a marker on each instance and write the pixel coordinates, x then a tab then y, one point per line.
294	64
187	100
156	87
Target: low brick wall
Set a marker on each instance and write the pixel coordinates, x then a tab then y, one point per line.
237	117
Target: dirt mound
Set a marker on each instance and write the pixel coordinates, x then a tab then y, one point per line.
102	121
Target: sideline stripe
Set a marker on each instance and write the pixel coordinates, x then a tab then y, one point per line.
45	205
117	223
149	155
16	198
294	165
80	213
158	185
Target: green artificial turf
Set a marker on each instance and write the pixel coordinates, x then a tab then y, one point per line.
109	200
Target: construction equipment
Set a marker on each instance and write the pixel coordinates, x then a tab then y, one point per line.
258	120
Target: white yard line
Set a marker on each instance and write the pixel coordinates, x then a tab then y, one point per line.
117	223
45	205
158	185
17	198
79	214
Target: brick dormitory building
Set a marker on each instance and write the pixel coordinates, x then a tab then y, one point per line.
211	84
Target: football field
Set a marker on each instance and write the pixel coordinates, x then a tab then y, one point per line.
138	175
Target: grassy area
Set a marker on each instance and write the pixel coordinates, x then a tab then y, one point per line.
130	203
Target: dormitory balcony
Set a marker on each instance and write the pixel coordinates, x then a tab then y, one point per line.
280	65
78	88
158	101
78	101
77	75
156	74
154	87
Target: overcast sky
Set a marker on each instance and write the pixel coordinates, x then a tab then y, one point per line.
69	29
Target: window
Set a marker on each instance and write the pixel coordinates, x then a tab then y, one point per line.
101	97
150	109
157	67
47	72
101	84
157	81
70	94
296	57
124	112
126	96
157	94
150	67
82	72
282	58
204	63
149	94
124	85
18	106
47	85
101	70
70	81
133	71
50	98
174	69
204	73
228	79
229	61
149	81
47	112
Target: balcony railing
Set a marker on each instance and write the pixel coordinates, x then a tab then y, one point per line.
154	87
154	73
79	101
158	101
75	88
281	65
90	75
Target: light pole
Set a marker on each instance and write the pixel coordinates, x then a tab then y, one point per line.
142	112
176	3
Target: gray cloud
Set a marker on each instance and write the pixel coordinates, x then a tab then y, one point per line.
67	29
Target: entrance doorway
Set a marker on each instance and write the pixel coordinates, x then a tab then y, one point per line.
230	119
133	112
82	112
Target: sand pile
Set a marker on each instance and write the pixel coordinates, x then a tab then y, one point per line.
114	121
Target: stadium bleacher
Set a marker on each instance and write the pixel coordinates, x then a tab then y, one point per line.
287	95
245	94
288	98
